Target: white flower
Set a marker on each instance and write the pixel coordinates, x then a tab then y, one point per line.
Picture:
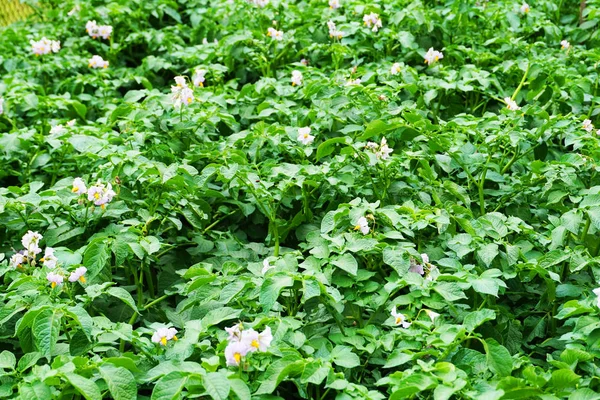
525	8
97	62
79	186
433	56
44	46
275	34
425	258
162	335
371	145
234	353
49	258
395	70
198	77
185	97
31	241
54	279
334	4
333	31
74	10
304	136
77	275
353	82
597	293
57	130
266	266
180	82
17	259
101	194
71	123
384	151
235	332
257	341
373	21
433	273
511	104
400	319
304	62
363	225
104	31
564	44
92	29
1	105
296	78
587	125
261	3
432	315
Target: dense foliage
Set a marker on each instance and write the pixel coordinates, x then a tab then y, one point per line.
365	224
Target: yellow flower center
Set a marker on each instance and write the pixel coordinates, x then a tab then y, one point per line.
163	340
398	320
175	338
255	344
82	279
75	189
53	284
357	227
237	357
96	196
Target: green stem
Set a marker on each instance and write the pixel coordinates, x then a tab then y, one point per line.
518	89
586	228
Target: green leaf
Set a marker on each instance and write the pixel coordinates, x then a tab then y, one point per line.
397	259
378	127
450	291
120	382
486	286
240	389
310	289
476	318
487	253
217	385
46	329
80	109
344	357
86	387
96	257
169	387
564	378
218	315
327	147
277	372
398	357
123	295
346	262
498	358
7	360
271	288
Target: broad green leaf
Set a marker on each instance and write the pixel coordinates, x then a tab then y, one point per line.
7	360
344	357
96	257
122	295
169	387
120	382
346	262
46	329
397	259
328	146
217	385
499	359
86	387
271	288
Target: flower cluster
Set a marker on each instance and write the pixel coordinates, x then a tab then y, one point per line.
95	30
333	30
382	151
400	319
334	4
60	129
163	335
304	136
181	93
395	70
97	62
241	342
296	78
425	268
275	34
433	56
372	21
100	194
44	46
511	104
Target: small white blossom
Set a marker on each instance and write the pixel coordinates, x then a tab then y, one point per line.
372	21
333	31
71	123
587	125
17	260
97	62
101	194
597	293
384	150
198	77
104	31
275	34
78	275
525	8
79	186
54	279
235	332
180	82
304	62
57	130
564	44
433	56
1	106
304	136
266	266
432	315
44	46
49	258
257	341
395	70
400	319
296	78
353	82
234	353
74	10
425	258
363	225
31	241
95	30
511	104
163	335
334	4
